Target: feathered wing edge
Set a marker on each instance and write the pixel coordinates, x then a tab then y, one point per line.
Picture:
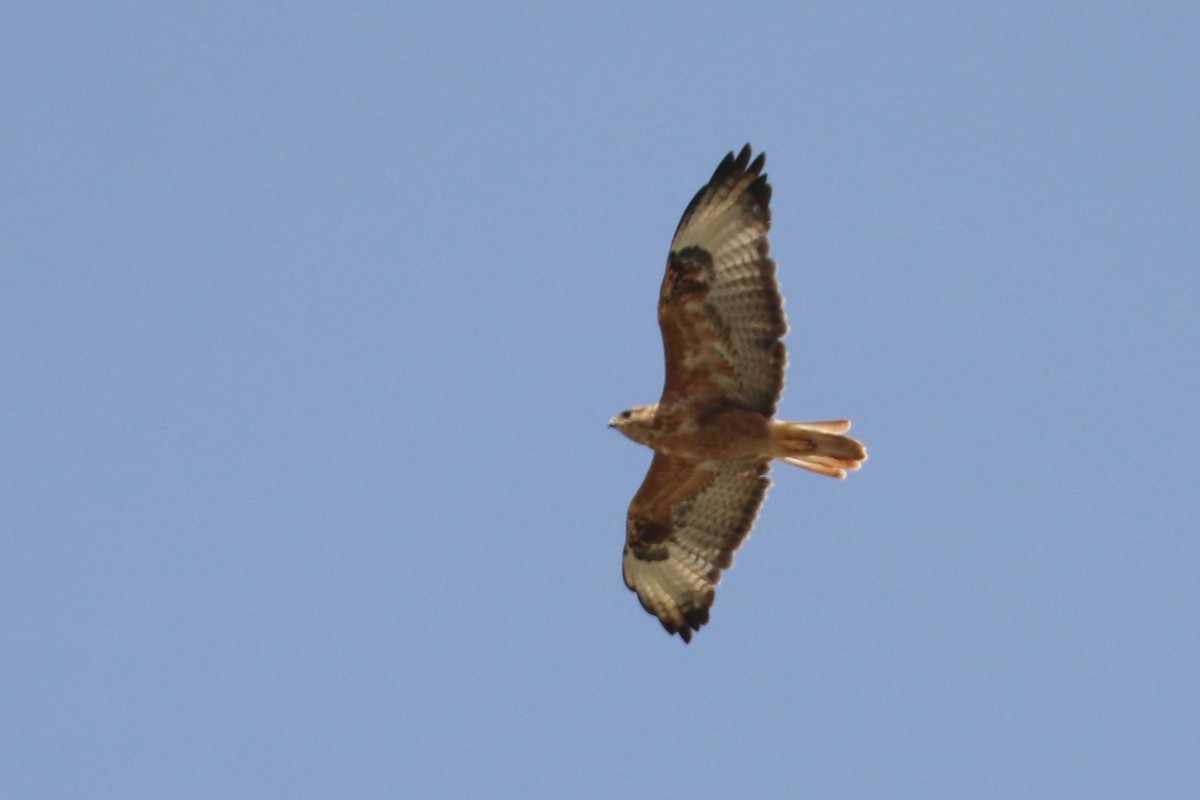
720	308
683	527
735	180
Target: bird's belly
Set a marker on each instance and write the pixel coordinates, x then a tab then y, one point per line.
726	435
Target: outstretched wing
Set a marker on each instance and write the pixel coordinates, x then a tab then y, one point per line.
719	307
683	526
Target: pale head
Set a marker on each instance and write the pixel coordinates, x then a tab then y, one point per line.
634	421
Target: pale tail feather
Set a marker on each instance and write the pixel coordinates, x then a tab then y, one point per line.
818	446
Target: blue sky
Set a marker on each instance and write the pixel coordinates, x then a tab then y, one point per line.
312	317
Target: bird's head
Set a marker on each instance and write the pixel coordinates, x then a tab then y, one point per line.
633	421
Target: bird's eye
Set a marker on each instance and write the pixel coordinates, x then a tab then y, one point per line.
626	414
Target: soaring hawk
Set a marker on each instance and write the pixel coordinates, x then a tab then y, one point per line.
713	432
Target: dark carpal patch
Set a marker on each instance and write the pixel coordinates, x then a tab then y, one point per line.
648	553
685	272
644	532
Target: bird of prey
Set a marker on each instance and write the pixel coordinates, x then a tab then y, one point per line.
713	431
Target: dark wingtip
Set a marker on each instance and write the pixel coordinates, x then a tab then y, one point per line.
734	165
729	167
692	621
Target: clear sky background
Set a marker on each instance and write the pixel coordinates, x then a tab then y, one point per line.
312	318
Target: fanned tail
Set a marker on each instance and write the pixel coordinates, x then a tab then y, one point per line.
818	447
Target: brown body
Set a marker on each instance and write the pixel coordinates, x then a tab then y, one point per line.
713	431
723	434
